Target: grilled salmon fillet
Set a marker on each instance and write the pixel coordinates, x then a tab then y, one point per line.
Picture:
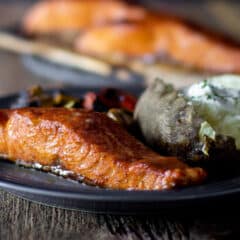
161	36
91	145
129	40
61	15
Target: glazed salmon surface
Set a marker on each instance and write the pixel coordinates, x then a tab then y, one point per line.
90	145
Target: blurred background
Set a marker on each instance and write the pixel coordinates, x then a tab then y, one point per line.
115	43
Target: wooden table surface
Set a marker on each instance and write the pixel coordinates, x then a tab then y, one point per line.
21	219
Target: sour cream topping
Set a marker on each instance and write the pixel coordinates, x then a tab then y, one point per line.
217	100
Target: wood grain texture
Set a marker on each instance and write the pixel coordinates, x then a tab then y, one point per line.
21	219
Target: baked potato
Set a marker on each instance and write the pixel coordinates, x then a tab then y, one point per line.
197	124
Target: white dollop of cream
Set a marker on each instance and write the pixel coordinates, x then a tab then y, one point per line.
217	100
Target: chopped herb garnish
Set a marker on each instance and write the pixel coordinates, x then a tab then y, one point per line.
204	84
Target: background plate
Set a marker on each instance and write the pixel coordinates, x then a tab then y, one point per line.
56	191
80	78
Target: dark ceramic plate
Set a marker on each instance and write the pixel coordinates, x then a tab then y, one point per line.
80	78
53	190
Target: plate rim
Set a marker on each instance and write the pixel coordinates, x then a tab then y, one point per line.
110	195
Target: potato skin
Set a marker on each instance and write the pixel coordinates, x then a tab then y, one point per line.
170	124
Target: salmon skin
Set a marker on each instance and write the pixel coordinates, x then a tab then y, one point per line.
89	145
